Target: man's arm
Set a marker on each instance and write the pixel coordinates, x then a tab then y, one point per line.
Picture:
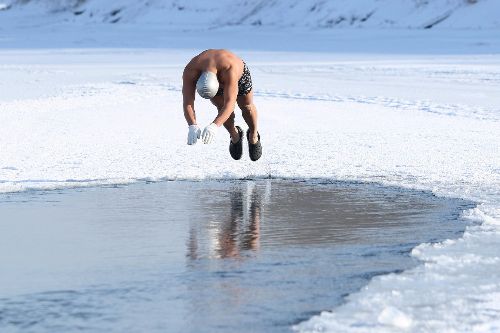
188	95
230	80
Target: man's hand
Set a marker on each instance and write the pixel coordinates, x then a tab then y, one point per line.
209	133
193	134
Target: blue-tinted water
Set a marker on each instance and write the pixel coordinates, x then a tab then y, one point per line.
232	256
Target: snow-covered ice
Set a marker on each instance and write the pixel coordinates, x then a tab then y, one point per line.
414	109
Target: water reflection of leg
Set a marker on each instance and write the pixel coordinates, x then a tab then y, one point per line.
251	237
228	246
192	244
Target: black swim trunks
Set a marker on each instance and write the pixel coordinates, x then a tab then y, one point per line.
244	83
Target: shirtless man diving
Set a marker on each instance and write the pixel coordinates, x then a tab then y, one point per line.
224	78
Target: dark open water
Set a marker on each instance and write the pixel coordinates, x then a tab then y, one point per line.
232	256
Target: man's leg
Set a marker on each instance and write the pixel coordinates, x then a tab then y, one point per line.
249	113
218	101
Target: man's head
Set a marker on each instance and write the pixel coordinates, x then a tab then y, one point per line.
207	85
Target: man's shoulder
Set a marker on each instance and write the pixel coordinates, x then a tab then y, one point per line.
233	65
190	72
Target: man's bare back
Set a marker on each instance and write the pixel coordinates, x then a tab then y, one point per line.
224	78
215	61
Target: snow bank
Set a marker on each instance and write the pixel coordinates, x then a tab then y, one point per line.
198	14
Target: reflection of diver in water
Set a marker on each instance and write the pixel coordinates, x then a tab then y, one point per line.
251	238
237	232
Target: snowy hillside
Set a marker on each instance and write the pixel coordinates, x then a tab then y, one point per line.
313	14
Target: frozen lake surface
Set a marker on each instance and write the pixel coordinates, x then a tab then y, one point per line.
210	256
102	105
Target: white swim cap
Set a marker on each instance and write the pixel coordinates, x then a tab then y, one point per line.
207	85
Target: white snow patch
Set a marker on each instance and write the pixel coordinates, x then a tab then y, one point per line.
393	317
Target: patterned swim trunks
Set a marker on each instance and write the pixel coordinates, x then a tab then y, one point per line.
244	83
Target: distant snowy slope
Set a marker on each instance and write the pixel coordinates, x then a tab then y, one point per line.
314	14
